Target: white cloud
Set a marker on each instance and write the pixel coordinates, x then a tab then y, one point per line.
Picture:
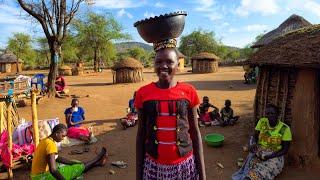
130	16
252	6
238	41
119	4
225	24
210	9
233	30
205	5
249	28
10	15
256	27
214	16
159	4
313	7
12	21
148	14
303	7
122	13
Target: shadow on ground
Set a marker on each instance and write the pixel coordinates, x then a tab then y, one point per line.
228	85
91	84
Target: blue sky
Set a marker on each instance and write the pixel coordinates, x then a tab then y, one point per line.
235	22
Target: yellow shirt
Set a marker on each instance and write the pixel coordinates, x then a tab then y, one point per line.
39	163
271	137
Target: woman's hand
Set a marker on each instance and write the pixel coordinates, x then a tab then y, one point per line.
76	162
253	148
261	156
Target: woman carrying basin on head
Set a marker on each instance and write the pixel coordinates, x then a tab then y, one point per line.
169	144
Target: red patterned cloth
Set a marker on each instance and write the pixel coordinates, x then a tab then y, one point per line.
77	132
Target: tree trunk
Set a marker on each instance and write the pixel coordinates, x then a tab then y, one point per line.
18	71
95	61
53	69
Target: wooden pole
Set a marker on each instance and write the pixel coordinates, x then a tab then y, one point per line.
9	129
2	116
35	118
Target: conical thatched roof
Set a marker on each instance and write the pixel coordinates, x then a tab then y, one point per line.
65	67
299	48
128	63
205	55
180	55
8	57
294	22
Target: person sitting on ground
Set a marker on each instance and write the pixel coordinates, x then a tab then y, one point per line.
268	146
74	118
131	104
74	114
208	118
249	75
227	114
45	164
60	86
132	116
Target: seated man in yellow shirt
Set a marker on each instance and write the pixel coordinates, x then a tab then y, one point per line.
44	164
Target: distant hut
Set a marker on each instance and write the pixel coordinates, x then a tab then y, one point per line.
65	70
289	78
78	70
294	22
9	63
128	70
181	61
205	62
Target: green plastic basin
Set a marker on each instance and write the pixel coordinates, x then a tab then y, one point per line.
214	139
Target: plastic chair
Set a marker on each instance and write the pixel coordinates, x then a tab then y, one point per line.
37	81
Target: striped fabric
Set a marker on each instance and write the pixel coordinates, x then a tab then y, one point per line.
186	170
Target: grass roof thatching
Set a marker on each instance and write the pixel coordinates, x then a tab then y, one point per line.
205	55
294	22
65	67
180	55
8	57
298	48
128	63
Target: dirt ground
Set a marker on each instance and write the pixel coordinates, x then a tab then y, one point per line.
108	102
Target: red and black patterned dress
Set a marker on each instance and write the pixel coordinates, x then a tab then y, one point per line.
169	164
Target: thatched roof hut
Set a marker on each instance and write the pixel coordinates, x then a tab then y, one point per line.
9	63
181	60
65	70
289	78
78	69
205	62
128	70
294	22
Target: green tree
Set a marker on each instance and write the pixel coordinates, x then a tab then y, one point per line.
234	55
222	51
54	17
69	50
108	53
198	41
137	53
95	34
246	52
43	52
21	45
144	56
